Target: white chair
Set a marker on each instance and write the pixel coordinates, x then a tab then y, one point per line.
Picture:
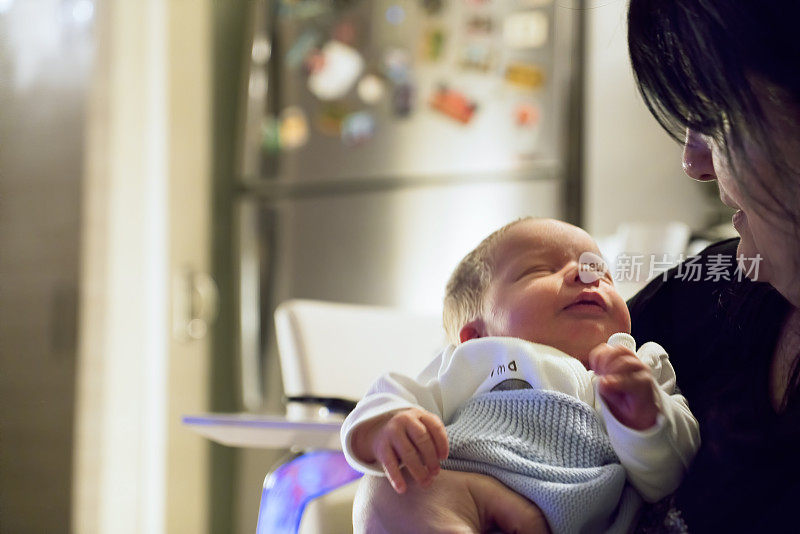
330	353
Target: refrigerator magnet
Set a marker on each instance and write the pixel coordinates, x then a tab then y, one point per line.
480	25
524	75
371	89
526	29
432	7
313	62
397	65
330	118
403	99
296	11
346	32
357	128
293	128
395	14
432	44
270	134
453	104
526	115
342	65
476	56
301	48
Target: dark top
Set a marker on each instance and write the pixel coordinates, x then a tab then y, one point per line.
720	337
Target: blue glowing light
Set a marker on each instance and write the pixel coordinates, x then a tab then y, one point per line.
293	485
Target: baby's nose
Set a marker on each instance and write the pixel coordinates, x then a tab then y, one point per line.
591	267
579	274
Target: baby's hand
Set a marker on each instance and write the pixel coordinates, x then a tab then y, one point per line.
626	384
413	437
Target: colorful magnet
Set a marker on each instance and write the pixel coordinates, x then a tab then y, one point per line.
261	51
371	89
301	48
526	115
525	29
432	7
270	134
293	128
305	9
345	32
397	65
313	62
480	24
477	56
433	44
331	116
357	128
453	104
524	75
395	14
342	65
403	99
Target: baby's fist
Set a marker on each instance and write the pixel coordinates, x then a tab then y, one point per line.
626	385
412	437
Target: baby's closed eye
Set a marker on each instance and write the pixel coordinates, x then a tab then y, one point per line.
536	270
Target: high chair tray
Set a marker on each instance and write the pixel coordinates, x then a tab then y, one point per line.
265	431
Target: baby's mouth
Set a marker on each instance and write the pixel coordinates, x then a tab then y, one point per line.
587	301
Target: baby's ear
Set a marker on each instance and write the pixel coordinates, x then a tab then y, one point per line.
472	330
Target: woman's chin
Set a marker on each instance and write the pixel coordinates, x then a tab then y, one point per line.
751	262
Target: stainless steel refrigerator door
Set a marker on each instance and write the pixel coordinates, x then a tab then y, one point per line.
391	248
426	142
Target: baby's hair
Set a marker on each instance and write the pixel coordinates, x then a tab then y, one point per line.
463	298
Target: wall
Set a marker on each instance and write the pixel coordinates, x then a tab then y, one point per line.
144	229
632	169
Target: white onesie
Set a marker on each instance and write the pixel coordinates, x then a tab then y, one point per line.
654	459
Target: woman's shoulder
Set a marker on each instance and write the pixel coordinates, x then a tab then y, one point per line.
706	290
703	319
694	278
684	295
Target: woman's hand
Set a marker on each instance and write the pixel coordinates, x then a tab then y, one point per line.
456	502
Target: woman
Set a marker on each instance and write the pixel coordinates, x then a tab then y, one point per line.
723	76
725	73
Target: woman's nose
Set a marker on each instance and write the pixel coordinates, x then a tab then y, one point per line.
697	161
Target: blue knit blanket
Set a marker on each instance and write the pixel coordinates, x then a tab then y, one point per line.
551	448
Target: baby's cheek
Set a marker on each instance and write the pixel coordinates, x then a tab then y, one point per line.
623	319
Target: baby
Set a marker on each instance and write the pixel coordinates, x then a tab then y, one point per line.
530	392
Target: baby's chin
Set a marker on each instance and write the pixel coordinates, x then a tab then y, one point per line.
580	349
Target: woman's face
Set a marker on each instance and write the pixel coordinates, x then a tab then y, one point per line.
764	232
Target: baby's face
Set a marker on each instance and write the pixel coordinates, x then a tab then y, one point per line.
537	295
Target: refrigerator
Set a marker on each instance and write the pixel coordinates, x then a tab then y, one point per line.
382	140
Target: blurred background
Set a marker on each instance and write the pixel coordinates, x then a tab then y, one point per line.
171	170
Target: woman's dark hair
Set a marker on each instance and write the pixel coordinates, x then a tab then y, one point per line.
709	65
700	64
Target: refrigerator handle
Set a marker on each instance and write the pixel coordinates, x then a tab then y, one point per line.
195	305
